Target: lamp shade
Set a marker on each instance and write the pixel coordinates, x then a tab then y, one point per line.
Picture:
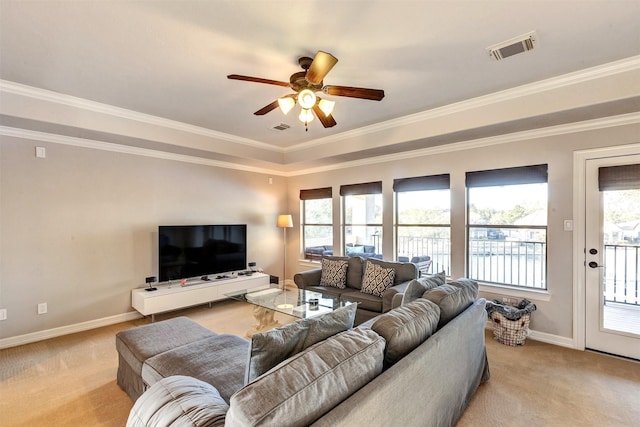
285	221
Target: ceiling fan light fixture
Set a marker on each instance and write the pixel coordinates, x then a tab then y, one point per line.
326	106
306	99
286	104
306	116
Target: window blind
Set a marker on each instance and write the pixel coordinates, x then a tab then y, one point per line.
421	183
316	193
507	176
625	177
365	188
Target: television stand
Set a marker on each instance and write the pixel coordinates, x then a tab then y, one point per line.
172	296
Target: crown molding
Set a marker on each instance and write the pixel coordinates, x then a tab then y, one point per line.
622	120
97	107
553	83
127	149
588	125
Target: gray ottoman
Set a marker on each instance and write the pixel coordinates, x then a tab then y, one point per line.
138	344
220	361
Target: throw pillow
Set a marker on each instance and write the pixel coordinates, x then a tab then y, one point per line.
268	349
351	250
334	273
311	383
377	279
417	287
405	328
453	298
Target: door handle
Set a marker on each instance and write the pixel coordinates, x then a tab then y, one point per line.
594	264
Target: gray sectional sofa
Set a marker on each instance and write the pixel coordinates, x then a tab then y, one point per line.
349	286
417	365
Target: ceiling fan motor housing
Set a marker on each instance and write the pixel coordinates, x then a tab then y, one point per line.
298	82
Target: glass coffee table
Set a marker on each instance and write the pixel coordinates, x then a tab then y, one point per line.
293	302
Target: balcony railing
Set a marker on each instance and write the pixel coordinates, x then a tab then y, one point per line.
621	272
517	263
436	248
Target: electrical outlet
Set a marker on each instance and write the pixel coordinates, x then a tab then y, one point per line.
3	314
42	308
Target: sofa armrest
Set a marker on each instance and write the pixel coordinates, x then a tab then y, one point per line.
307	278
390	294
179	400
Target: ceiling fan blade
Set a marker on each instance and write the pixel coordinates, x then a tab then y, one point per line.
266	109
257	80
354	92
327	121
322	63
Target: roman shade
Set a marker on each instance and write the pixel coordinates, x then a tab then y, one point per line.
625	177
365	188
316	193
507	176
421	183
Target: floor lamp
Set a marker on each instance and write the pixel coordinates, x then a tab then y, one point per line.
284	222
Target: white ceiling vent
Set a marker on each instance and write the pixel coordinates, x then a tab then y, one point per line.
280	126
514	46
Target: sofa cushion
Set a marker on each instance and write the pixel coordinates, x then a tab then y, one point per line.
220	361
334	273
310	383
272	347
405	271
417	287
179	400
453	298
377	279
405	328
365	301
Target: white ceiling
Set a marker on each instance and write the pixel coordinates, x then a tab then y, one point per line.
170	59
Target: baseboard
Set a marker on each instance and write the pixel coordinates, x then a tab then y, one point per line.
69	329
552	339
544	337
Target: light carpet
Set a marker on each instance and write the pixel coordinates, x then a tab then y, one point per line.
70	380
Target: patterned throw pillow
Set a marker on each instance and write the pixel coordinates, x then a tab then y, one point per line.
377	279
334	273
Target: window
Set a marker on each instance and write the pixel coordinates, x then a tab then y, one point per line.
507	226
317	222
423	222
362	219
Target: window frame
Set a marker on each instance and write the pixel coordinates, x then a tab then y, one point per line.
307	195
423	183
363	189
499	178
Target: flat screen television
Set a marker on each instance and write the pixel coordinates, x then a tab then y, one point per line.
186	251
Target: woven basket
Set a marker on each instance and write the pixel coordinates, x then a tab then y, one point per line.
510	332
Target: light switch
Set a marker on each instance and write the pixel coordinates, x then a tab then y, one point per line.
41	152
568	225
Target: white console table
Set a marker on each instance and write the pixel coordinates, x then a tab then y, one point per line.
172	296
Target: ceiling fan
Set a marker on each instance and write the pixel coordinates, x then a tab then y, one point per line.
305	84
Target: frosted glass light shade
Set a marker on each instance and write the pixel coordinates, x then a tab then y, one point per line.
326	106
286	104
306	99
305	116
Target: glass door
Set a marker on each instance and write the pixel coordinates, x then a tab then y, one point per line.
612	255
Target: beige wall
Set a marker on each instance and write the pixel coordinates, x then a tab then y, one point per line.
554	314
78	228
